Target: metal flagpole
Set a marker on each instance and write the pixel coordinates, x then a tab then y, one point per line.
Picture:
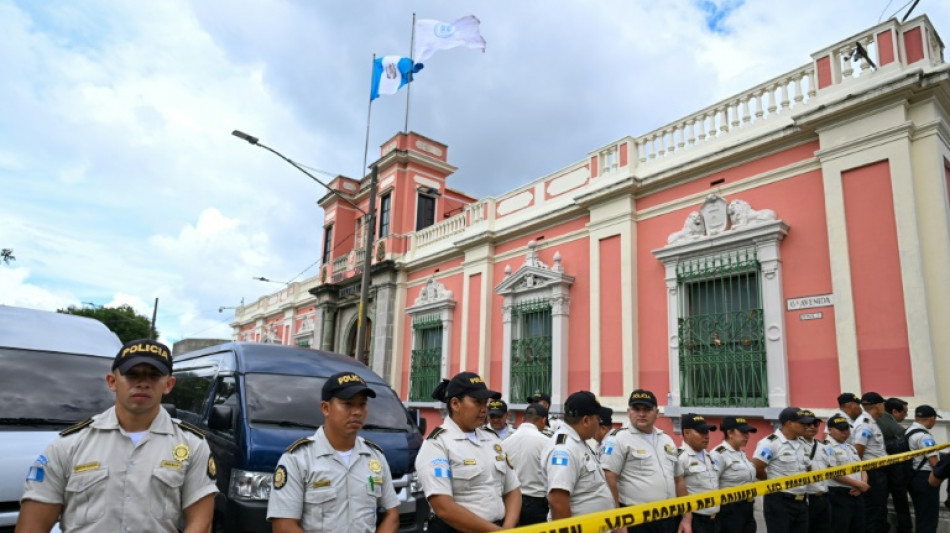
369	226
412	44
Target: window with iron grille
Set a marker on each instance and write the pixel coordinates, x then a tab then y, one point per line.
426	362
530	349
722	332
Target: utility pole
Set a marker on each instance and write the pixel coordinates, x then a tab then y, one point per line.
370	227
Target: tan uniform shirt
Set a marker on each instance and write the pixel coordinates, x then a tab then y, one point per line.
475	475
104	483
314	485
843	453
524	448
735	468
782	457
644	467
570	465
821	459
504	432
867	433
700	472
919	441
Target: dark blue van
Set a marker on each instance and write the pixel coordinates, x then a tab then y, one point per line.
254	400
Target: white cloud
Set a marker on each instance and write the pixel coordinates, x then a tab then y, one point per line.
15	290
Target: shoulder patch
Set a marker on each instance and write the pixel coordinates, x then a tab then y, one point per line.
435	433
298	443
75	427
773	436
190	428
373	445
721	449
561	438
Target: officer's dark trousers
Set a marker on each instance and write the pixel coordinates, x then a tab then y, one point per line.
785	514
704	524
875	502
737	518
819	513
667	525
926	502
847	511
533	510
898	481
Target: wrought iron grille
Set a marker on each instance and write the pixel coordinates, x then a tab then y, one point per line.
530	349
426	362
722	332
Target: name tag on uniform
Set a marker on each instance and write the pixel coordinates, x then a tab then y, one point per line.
376	481
468	462
320	484
499	457
174	465
85	467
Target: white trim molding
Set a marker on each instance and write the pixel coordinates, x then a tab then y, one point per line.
716	228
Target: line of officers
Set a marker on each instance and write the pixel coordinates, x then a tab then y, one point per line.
486	477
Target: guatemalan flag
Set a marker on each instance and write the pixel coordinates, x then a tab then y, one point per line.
390	73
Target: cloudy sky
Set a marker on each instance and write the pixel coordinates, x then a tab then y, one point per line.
122	183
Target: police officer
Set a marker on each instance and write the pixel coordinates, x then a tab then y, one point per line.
498	419
783	454
735	469
926	497
335	479
466	475
639	461
844	492
524	448
696	471
544	399
573	477
130	468
821	456
897	475
869	441
850	405
606	425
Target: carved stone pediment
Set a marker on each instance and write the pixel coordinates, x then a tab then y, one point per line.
717	217
433	295
533	274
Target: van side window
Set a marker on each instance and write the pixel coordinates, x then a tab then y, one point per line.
190	395
225	392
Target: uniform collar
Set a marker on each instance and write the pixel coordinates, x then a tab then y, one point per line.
323	446
728	447
781	438
688	450
568	430
455	432
915	424
527	427
162	423
656	431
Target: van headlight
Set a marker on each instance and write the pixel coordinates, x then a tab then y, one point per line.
250	485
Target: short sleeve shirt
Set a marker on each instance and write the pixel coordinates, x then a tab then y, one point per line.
105	483
314	486
524	448
570	465
643	464
782	457
700	472
735	468
823	458
475	475
844	453
867	433
919	441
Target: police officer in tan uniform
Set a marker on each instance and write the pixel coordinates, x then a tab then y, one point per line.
696	471
820	455
783	454
335	479
573	476
868	439
735	469
844	492
498	419
639	460
131	468
524	448
925	497
465	473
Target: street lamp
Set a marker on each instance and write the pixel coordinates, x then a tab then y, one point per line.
268	280
370	228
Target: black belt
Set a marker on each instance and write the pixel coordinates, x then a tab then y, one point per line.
817	495
534	498
704	518
789	496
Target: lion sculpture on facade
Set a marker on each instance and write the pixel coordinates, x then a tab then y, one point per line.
693	229
742	214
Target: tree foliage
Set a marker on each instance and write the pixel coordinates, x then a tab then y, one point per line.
122	320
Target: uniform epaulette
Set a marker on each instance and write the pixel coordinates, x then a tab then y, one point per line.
824	441
373	445
190	428
866	420
435	433
75	427
492	431
721	449
298	443
561	438
547	432
680	451
618	430
773	436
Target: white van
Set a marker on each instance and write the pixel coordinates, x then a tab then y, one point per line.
52	375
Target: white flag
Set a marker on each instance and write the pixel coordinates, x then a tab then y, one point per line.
433	35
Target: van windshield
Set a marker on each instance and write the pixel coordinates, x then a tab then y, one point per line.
47	387
295	401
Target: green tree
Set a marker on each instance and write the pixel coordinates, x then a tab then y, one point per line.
122	320
6	255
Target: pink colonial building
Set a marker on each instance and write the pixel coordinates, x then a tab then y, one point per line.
773	249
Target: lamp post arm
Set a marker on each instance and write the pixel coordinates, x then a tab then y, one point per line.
311	176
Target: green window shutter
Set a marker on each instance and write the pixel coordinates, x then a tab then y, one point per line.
722	332
426	361
530	349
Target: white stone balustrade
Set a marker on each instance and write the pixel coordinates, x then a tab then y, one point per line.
436	232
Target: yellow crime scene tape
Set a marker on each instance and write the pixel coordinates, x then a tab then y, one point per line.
650	512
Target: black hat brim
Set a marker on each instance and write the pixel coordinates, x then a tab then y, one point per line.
349	392
705	427
747	428
483	394
807	420
647	403
135	360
